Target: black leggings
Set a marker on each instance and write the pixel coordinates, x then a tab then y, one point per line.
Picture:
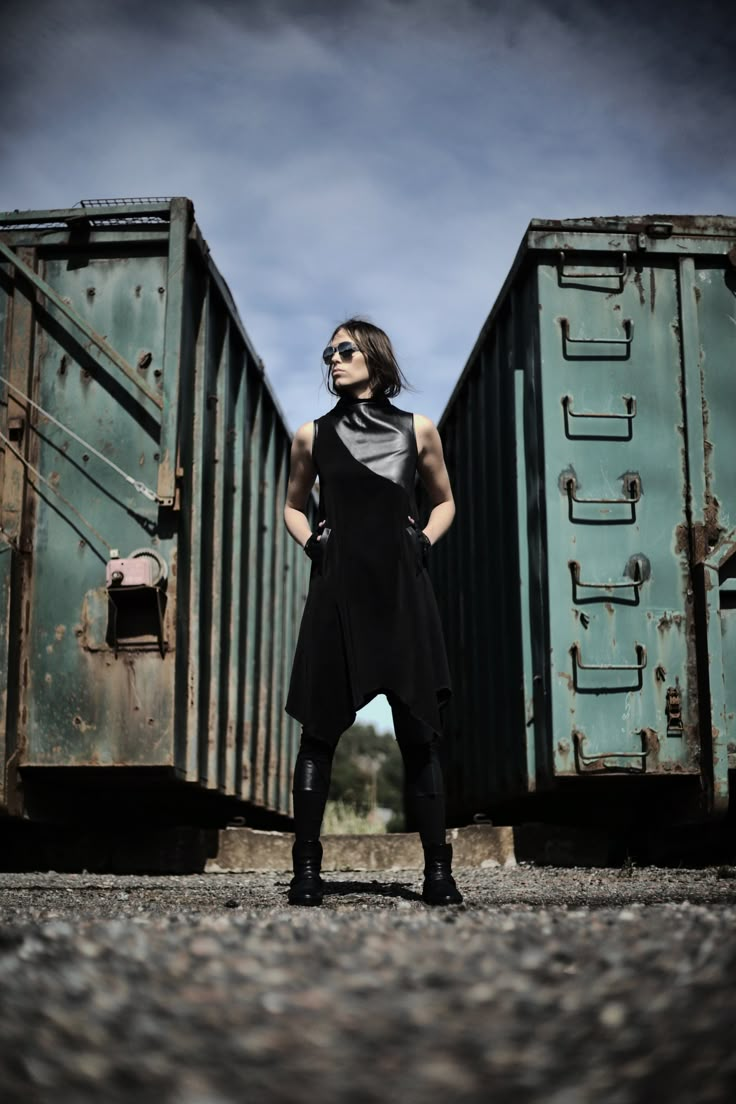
424	786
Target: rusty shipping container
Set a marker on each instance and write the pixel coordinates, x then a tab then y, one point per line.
149	593
588	586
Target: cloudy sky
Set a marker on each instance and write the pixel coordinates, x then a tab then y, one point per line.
380	157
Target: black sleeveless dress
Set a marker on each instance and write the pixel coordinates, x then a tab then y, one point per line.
370	622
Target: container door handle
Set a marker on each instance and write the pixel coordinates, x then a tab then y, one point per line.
628	326
641	655
632	484
637	581
600	760
629	401
589	275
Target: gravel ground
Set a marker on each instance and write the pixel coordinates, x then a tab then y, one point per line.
563	986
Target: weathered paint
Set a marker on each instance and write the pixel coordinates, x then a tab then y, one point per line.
86	299
600	482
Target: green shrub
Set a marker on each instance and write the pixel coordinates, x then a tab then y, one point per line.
343	819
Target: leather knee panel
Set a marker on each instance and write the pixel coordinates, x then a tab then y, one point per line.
313	767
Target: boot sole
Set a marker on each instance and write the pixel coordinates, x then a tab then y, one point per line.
309	900
442	900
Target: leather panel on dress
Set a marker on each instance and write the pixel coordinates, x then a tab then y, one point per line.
380	436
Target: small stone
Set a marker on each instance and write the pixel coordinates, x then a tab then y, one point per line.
612	1015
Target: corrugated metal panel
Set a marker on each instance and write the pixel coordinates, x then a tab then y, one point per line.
116	325
590	497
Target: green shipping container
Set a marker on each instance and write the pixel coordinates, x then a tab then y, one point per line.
588	586
149	592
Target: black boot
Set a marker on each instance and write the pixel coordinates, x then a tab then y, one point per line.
306	887
439	885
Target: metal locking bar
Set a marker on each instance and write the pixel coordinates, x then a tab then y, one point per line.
629	400
628	326
589	275
633	483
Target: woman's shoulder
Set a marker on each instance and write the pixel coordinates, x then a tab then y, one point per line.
303	440
304	432
424	429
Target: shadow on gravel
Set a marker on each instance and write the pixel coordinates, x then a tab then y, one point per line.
371	889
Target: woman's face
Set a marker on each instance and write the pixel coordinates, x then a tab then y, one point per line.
351	373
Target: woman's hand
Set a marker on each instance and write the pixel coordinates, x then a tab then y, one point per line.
312	546
422	545
411	519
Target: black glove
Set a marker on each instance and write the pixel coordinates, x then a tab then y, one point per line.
425	545
313	547
422	545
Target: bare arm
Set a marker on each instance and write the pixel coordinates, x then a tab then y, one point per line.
434	476
302	474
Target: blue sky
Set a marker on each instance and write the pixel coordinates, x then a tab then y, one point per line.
381	157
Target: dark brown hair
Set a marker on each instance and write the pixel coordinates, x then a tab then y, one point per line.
384	375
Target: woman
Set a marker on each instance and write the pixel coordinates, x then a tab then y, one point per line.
370	623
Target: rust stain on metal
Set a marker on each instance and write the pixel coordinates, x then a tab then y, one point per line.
667	620
640	288
82	725
682	538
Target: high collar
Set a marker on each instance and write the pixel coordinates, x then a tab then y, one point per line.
347	401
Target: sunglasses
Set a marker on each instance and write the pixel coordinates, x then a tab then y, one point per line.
344	350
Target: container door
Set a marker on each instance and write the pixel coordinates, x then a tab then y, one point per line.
713	289
87	436
622	684
16	326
